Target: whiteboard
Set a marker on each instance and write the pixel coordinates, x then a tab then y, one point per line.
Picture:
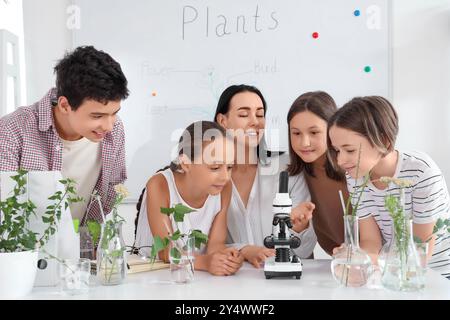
178	57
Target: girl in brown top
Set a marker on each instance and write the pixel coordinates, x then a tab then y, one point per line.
307	121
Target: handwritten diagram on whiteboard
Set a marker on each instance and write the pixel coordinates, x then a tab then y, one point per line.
180	55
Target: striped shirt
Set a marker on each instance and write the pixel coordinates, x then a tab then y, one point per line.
426	200
28	140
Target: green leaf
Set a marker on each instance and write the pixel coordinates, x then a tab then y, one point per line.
159	244
153	253
199	234
417	239
439	223
182	209
167	211
176	235
179	212
175	254
178	216
76	225
94	229
116	253
200	238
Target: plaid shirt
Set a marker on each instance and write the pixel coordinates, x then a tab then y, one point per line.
28	140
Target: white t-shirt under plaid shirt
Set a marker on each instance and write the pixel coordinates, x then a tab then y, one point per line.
426	200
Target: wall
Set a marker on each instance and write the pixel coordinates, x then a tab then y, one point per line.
421	78
176	74
46	40
11	19
421	71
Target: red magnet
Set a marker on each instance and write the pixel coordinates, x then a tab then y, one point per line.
315	35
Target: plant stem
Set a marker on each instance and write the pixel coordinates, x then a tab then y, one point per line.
63	263
112	269
45	235
191	266
57	259
347	265
349	228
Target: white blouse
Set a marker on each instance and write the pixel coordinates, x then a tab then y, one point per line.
249	226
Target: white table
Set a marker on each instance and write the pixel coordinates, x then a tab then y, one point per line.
248	283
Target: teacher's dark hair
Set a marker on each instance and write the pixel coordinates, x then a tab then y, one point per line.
223	106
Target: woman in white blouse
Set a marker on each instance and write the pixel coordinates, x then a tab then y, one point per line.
241	110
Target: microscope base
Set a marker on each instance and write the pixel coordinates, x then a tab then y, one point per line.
282	274
274	269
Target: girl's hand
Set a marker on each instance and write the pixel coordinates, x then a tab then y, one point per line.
225	262
234	255
257	255
301	215
338	249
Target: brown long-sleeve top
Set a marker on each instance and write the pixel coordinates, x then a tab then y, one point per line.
328	214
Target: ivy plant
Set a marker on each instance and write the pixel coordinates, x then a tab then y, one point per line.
15	213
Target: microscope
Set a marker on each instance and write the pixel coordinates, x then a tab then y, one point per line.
283	264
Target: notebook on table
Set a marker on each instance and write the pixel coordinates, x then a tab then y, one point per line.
137	264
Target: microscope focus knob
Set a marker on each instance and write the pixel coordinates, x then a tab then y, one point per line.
294	242
268	242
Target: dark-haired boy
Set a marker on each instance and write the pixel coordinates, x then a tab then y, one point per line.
74	129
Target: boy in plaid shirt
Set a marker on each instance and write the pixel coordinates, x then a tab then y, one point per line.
74	129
